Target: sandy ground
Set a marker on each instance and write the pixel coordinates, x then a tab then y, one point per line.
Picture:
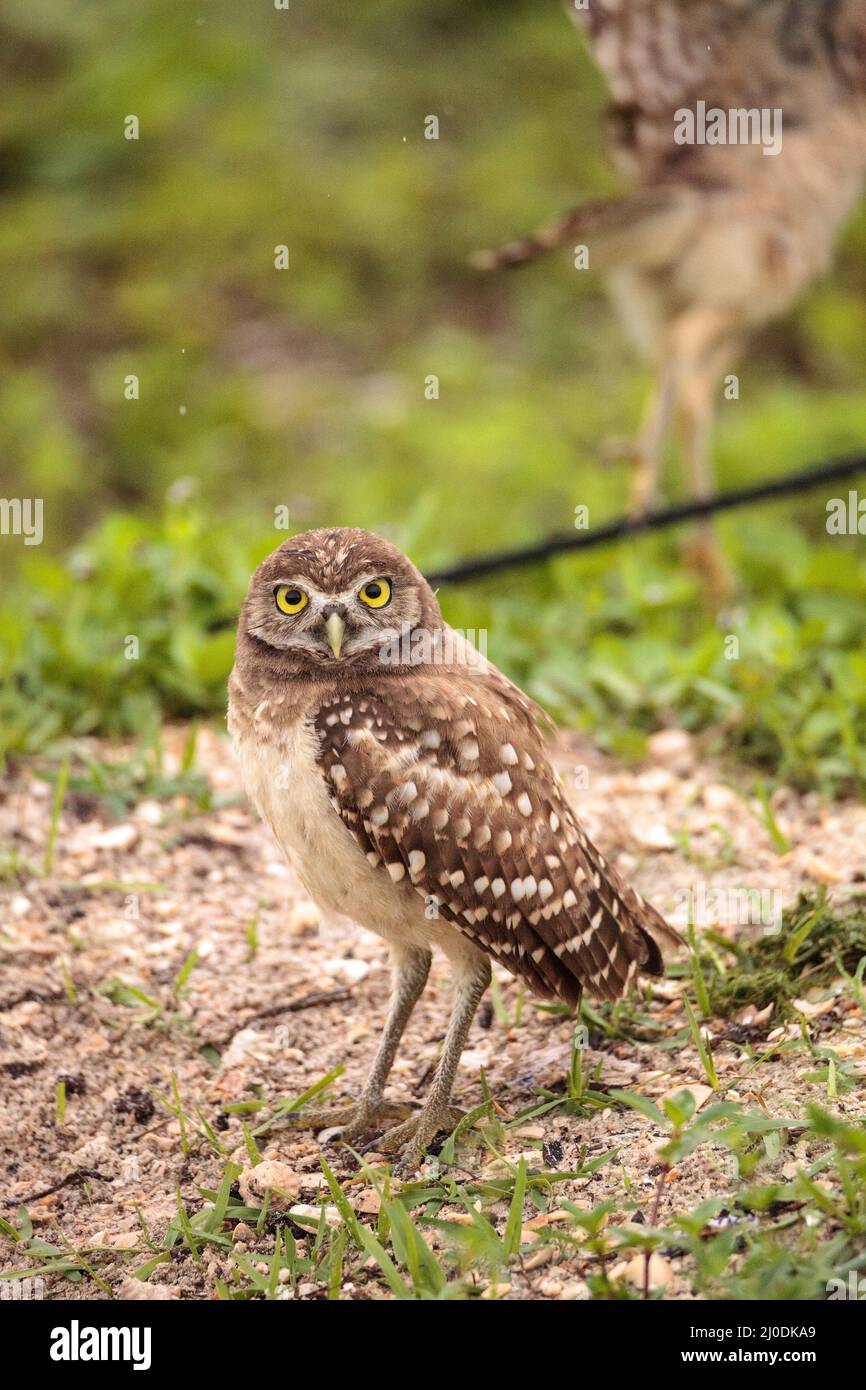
674	826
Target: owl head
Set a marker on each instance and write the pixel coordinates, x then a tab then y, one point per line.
333	600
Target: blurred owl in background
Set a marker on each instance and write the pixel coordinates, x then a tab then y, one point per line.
742	124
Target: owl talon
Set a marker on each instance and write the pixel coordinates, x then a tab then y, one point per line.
643	490
704	557
353	1118
323	1117
370	1117
410	1139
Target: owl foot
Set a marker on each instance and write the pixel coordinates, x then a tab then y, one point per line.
643	473
618	449
352	1119
410	1139
643	490
703	556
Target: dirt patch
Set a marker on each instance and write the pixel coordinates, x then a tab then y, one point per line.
94	996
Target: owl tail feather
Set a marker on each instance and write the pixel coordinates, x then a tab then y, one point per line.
645	230
660	937
620	929
647	938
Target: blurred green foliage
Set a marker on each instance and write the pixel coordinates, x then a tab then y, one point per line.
305	387
616	652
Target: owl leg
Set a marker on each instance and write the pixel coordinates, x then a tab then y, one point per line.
647	457
694	422
410	968
437	1112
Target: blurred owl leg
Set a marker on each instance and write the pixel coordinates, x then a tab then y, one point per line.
694	425
410	968
437	1113
649	450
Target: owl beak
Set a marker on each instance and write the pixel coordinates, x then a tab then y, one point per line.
336	629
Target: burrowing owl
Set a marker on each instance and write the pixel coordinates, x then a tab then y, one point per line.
743	125
407	781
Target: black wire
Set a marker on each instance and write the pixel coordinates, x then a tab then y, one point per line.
475	567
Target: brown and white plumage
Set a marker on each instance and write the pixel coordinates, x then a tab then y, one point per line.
417	797
804	56
446	785
715	240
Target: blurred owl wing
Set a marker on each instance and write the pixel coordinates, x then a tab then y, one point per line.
654	52
444	782
658	56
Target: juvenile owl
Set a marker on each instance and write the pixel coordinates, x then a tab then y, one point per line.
407	781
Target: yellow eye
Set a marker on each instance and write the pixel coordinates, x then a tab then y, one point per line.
375	594
290	599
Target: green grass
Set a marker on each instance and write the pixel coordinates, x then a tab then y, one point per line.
616	645
816	945
304	389
779	1240
113	784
